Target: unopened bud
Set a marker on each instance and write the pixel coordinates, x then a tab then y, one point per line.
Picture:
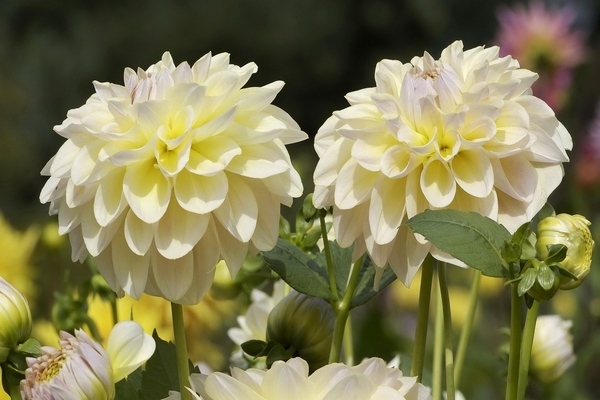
15	319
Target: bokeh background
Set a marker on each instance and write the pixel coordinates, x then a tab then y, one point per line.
51	51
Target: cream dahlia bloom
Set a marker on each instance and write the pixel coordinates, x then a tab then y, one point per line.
180	167
81	369
370	380
461	132
552	349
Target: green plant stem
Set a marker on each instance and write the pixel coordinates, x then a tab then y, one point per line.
342	311
526	343
183	368
422	320
465	333
114	310
515	344
448	343
349	342
438	349
328	258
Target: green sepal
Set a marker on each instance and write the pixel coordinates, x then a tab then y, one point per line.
527	281
545	277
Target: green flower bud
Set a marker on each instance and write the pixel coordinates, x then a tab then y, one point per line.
571	231
15	319
303	324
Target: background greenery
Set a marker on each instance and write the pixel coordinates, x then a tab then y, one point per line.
51	51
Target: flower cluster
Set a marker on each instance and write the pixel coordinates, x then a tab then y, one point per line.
461	132
180	167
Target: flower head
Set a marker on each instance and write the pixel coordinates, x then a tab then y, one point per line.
552	350
82	369
543	40
571	231
371	379
180	167
461	132
15	319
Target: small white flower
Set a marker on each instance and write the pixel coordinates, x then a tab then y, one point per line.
462	132
81	369
180	167
552	349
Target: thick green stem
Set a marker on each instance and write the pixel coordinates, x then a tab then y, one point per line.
328	258
527	342
349	343
515	344
465	333
438	349
448	343
422	320
114	310
342	311
183	368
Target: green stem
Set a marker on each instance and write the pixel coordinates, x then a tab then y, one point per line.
183	368
438	349
113	309
328	258
448	344
528	332
422	320
465	333
342	311
349	343
515	344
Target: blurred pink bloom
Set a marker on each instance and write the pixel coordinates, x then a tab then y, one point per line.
544	40
587	167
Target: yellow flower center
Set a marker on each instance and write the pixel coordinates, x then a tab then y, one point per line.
52	368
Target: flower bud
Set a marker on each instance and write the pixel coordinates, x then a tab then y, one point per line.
552	350
304	324
15	319
571	231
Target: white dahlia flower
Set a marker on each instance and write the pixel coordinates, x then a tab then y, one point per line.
180	167
290	380
462	132
82	369
552	349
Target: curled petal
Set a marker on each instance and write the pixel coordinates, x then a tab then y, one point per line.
128	347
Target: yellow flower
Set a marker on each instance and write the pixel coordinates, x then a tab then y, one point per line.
180	167
462	132
16	248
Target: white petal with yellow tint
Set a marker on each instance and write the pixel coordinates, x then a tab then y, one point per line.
473	172
200	194
138	234
223	387
259	161
212	155
239	211
172	161
62	162
128	347
437	183
267	225
178	231
354	185
516	177
131	270
147	191
109	200
233	252
172	277
285	382
386	209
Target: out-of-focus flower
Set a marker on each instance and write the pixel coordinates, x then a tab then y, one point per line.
205	322
371	379
571	231
16	248
552	350
15	318
544	40
587	168
82	368
253	324
180	167
461	132
304	325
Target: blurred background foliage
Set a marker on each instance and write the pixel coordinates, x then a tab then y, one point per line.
51	51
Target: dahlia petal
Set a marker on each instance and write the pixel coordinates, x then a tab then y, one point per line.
267	225
352	386
292	133
200	194
147	191
473	172
516	177
331	162
287	186
86	165
172	161
178	231
379	253
95	236
76	196
214	126
256	99
131	270
233	252
397	161
407	255
239	211
259	161
124	153
347	223
63	160
221	83
212	155
78	250
128	347
103	262
285	382
187	94
437	183
354	185
201	67
386	210
138	234
221	386
109	200
369	150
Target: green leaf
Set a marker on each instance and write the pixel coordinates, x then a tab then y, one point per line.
545	212
298	270
527	281
364	290
308	208
278	352
556	254
545	277
160	374
254	347
468	236
130	388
